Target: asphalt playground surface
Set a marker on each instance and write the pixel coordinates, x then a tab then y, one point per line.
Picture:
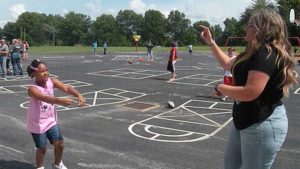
126	123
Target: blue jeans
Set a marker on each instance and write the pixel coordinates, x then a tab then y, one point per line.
53	134
94	51
16	62
256	146
3	65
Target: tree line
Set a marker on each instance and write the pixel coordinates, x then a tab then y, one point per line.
79	29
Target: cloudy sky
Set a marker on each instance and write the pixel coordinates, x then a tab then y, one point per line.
213	11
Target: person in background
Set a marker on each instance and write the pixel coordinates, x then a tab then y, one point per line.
4	51
17	49
190	48
105	46
25	50
176	44
94	45
8	67
227	75
150	51
42	120
262	75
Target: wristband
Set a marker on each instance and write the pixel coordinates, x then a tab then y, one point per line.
216	87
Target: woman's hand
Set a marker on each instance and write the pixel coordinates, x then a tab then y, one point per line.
206	35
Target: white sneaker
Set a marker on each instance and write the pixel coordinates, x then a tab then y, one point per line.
60	166
41	167
224	99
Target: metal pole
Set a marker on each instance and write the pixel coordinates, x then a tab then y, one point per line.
136	46
21	34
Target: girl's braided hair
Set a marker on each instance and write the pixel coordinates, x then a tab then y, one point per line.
33	67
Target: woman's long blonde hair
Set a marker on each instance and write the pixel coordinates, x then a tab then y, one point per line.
272	31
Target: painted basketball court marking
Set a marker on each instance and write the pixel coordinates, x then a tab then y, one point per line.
99	98
20	78
297	91
188	68
199	80
61	57
92	61
11	149
23	88
189	122
209	66
126	57
128	73
16	78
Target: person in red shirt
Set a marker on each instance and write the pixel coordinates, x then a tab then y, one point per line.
172	61
227	73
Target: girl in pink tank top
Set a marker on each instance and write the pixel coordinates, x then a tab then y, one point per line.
41	114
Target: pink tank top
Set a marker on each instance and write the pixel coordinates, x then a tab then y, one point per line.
41	116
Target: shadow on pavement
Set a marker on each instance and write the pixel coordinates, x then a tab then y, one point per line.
160	78
15	165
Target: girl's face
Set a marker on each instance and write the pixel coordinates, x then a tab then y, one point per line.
230	53
42	74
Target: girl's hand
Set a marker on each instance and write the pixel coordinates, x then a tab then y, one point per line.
66	101
81	101
206	35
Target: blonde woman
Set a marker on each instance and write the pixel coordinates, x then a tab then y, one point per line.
17	49
262	75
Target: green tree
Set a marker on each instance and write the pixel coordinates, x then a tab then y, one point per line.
9	31
255	6
154	27
232	29
284	7
51	27
177	25
205	23
29	24
217	32
105	29
129	23
74	29
190	36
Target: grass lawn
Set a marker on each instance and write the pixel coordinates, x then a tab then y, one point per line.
87	49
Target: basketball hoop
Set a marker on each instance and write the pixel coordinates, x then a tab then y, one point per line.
136	38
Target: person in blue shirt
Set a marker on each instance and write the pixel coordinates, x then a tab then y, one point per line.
4	50
94	45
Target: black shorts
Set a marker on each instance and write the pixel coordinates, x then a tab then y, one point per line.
171	67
